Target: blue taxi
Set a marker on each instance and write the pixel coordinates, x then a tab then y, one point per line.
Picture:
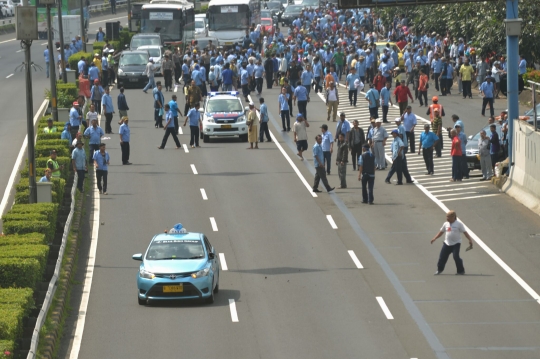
178	265
224	116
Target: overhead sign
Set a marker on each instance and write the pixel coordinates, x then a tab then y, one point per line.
160	16
227	9
354	4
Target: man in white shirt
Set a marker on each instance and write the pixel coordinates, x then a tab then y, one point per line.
300	135
92	115
452	229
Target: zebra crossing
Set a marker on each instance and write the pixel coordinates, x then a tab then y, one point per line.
438	185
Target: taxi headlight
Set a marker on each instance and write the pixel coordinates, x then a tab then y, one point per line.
241	119
202	273
210	119
146	274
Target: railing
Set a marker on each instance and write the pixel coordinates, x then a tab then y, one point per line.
105	6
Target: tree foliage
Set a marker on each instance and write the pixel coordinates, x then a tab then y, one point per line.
479	22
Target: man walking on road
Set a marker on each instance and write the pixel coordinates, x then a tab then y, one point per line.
108	110
125	136
318	162
377	136
194	118
466	72
366	173
399	163
263	121
343	127
327	147
409	122
332	101
94	133
175	111
169	129
428	140
122	104
356	141
302	96
159	101
372	96
452	230
386	101
78	161
402	93
342	157
300	135
486	90
149	71
101	163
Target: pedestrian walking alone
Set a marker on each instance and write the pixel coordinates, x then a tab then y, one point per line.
484	146
150	71
332	101
169	128
342	158
283	107
366	173
78	161
300	135
327	147
263	121
318	163
125	137
428	140
194	117
101	161
108	110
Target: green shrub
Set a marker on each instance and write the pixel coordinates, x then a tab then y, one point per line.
8	217
38	252
16	239
50	136
41	164
54	142
76	57
59	125
22	297
20	272
98	48
23	197
6	349
125	38
66	93
11	322
44	150
49	209
23	227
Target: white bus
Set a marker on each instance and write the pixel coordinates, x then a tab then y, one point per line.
228	20
174	20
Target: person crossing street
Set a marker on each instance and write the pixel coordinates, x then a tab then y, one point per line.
318	163
366	173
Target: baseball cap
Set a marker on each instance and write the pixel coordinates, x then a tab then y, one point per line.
395	131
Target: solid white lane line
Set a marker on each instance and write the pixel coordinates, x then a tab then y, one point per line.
456	189
8	76
180	132
194	170
384	308
234	314
331	220
106	20
355	260
455	194
21	50
45	43
79	329
214	224
223	262
203	194
185	147
471	197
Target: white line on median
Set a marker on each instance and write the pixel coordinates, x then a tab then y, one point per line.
45	43
223	261
21	50
8	76
214	224
203	194
384	308
194	170
355	260
175	88
234	314
180	132
185	147
331	220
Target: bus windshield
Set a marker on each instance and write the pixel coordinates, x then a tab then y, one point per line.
228	18
170	30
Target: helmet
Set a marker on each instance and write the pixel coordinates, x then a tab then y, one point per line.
434	99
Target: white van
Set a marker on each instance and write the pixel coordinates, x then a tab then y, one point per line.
201	26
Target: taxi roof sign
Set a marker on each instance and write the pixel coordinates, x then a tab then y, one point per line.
230	93
178	228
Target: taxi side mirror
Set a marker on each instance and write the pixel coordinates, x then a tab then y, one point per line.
137	257
211	255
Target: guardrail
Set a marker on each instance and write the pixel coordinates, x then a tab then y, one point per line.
106	6
7	22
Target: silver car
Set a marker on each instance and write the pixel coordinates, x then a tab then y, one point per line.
155	53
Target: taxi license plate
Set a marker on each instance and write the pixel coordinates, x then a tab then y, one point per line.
228	43
173	288
134	80
226	126
470	165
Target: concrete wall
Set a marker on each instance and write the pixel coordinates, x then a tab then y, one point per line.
524	181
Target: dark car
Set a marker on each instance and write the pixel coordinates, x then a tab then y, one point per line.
276	8
290	14
473	160
131	68
310	3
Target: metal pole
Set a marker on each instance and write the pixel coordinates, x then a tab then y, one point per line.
52	74
534	106
61	32
512	53
129	14
83	33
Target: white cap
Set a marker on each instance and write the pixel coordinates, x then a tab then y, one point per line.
378	120
251	104
397	119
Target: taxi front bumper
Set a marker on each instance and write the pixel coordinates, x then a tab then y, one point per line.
231	129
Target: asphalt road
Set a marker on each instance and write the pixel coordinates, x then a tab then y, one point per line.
297	291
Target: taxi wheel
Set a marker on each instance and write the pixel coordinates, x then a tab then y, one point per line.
211	298
206	138
141	301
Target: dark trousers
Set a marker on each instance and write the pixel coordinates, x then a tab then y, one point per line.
80	179
245	90
285	116
367	187
456	168
424	95
177	72
327	160
356	150
436	78
415	84
93	148
308	89
353	95
74	130
105	77
446	250
302	108
263	131
494	159
466	88
320	175
167	74
439	146
444	86
157	118
318	87
269	80
464	167
290	106
399	166
374	112
108	120
101	175
384	113
428	158
194	139
170	131
259	84
403	106
485	102
175	119
410	139
125	152
97	105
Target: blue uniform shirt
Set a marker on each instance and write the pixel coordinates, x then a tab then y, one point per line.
46	55
300	93
487	89
80	158
428	139
350	81
174	108
385	97
193	116
106	101
463	139
318	158
345	127
283	102
522	68
264	113
361	68
169	119
396	145
124	132
101	160
93	73
327	139
306	78
436	66
244	77
258	71
460	123
94	134
74	117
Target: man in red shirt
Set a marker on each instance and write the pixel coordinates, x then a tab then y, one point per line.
401	43
402	92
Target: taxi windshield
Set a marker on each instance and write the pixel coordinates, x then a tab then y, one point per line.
224	105
175	249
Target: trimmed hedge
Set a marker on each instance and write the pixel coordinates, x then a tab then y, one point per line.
11	322
7	346
58	125
125	38
49	136
22	297
8	217
44	150
17	240
76	57
38	252
98	48
23	227
23	197
54	143
41	164
49	209
19	272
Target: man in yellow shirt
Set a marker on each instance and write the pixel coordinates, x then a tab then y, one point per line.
465	72
50	128
97	62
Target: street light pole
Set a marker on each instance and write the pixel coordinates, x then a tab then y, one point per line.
512	53
61	32
52	75
83	32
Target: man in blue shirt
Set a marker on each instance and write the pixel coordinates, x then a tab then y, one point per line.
100	35
175	111
522	67
47	57
398	156
350	80
78	161
94	133
436	68
428	140
108	109
486	90
244	81
101	161
125	137
169	128
104	70
495	145
301	95
81	65
263	120
327	146
386	101
318	162
343	127
227	75
194	118
74	118
283	107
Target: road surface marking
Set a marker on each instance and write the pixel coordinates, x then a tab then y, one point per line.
384	308
203	194
114	18
331	220
21	50
175	88
185	147
45	43
471	197
214	224
194	170
223	261
8	76
455	194
79	329
180	132
457	189
355	260
232	307
296	170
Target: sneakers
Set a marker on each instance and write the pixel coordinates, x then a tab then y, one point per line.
437	272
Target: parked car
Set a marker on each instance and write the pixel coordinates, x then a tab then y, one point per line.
9	6
156	53
144	40
131	68
276	8
201	26
290	14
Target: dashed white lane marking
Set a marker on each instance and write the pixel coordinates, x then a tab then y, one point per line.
45	43
8	76
21	50
471	197
384	308
180	132
355	260
223	262
234	314
331	221
203	194
214	224
194	170
175	88
185	147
